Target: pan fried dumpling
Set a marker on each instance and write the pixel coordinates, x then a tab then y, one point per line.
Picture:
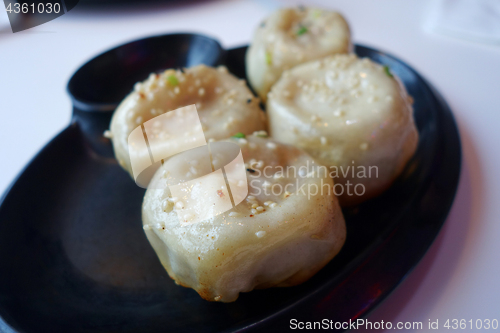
225	105
351	115
292	36
287	228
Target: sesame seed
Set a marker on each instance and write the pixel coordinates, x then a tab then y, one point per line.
274	204
179	205
250	197
243	141
138	87
260	234
255	205
253	211
287	194
261	134
260	208
177	90
338	113
108	134
234	214
201	91
271	145
222	69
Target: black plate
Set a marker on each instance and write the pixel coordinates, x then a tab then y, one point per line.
74	258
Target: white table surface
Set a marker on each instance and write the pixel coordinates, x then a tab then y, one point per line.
458	278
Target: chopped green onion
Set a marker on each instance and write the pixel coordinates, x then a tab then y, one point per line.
239	135
387	71
172	80
302	30
269	58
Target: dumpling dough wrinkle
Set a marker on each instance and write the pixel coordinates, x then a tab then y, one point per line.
225	105
346	112
292	36
283	241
